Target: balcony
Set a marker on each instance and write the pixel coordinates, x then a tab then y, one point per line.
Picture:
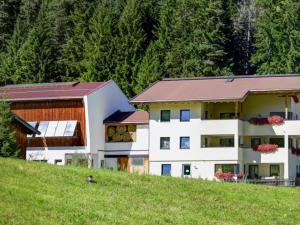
278	156
220	126
222	153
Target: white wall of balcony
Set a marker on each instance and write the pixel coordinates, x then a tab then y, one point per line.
141	143
278	156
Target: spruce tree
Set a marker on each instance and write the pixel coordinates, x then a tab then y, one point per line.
244	30
152	67
130	46
277	39
100	48
198	41
8	144
73	51
9	10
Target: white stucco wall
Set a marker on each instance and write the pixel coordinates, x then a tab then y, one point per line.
53	153
205	158
141	143
99	105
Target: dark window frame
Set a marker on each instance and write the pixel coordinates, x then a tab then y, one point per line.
160	143
274	165
161	115
180	142
183	169
162	169
185	120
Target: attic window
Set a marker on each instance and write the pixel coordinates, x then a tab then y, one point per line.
228	80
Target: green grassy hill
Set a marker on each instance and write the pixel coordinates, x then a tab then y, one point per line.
37	193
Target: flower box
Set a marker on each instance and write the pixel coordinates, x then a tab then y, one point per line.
266	148
271	120
223	176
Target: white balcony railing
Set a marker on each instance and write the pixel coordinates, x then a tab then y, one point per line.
215	127
278	156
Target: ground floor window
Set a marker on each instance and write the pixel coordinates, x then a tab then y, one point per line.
298	171
137	161
274	170
225	168
166	169
186	170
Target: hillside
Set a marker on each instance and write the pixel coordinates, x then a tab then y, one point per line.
138	42
37	193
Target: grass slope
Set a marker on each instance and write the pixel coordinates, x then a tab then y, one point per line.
37	193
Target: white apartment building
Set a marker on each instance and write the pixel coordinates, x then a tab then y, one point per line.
199	126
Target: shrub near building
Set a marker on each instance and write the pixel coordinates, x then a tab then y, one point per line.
8	144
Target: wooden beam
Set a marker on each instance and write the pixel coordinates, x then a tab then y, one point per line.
286	108
236	108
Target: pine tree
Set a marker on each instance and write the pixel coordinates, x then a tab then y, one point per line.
197	40
74	49
8	144
152	66
100	48
244	29
130	46
9	10
277	38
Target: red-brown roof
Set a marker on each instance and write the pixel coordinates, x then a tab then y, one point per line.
136	117
50	91
216	88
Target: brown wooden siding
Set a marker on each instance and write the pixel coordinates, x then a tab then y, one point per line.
21	140
51	111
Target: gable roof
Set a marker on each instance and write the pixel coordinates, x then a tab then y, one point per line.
49	91
216	88
135	117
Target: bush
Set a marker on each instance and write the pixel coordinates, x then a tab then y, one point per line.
8	142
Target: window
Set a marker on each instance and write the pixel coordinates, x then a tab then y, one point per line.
230	115
185	115
60	129
164	143
225	168
165	115
255	142
298	171
184	142
51	129
137	161
33	124
70	128
227	142
186	170
277	141
43	128
274	170
166	169
68	161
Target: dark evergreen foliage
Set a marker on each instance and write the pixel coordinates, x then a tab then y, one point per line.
136	42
